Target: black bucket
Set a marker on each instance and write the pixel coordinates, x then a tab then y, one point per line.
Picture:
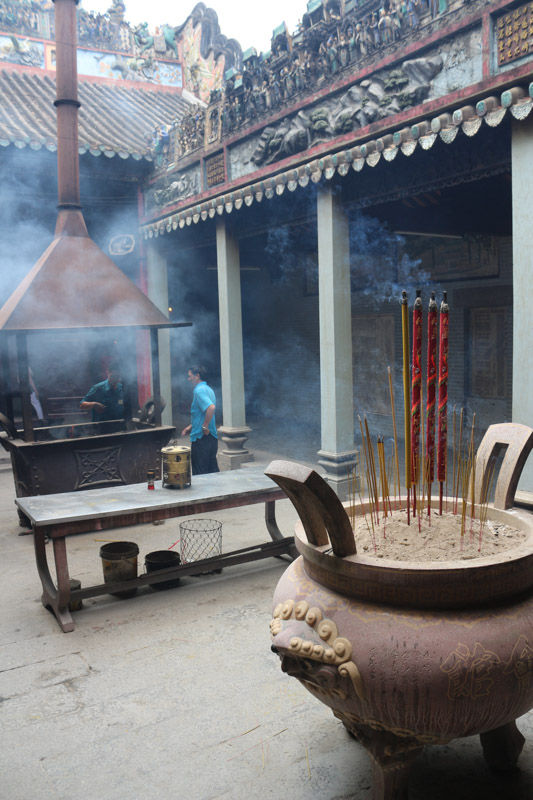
162	559
119	562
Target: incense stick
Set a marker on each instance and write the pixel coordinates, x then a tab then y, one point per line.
406	399
416	385
442	443
456	488
395	442
431	380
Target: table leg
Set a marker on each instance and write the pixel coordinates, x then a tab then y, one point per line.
270	520
56	599
272	527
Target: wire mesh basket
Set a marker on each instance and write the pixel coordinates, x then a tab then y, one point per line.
200	538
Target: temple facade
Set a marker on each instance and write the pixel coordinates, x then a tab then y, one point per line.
291	197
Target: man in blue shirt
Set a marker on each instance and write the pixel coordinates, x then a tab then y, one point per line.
203	431
106	400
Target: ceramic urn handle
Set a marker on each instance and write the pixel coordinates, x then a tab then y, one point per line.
318	507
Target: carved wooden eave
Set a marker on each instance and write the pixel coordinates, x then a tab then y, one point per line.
491	111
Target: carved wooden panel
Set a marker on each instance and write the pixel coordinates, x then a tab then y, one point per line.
451	258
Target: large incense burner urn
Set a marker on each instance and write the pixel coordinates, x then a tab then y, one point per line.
408	654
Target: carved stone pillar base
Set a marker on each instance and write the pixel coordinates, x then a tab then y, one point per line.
339	468
232	453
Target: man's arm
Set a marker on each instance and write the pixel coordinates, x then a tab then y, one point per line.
208	417
87	404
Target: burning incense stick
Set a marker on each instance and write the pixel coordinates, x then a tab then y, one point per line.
395	441
456	488
370	450
485	498
383	476
442	443
431	381
406	398
473	487
416	386
453	459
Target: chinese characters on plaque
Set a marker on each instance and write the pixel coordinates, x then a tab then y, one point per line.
214	170
514	34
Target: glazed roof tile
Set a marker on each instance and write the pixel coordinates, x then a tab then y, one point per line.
112	119
491	110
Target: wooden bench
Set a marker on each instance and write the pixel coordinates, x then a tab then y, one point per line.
56	516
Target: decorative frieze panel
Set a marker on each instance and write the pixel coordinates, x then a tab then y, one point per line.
384	94
167	192
492	110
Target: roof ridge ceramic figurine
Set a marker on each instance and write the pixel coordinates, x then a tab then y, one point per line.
408	654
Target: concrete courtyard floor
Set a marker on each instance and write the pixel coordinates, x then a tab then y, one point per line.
176	693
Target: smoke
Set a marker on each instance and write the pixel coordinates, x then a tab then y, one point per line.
281	256
380	266
193	297
64	364
282	381
27	214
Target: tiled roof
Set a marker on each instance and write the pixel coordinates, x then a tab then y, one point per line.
113	120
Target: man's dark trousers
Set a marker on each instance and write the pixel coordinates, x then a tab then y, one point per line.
204	455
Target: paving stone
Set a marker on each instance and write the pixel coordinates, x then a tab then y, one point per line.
177	694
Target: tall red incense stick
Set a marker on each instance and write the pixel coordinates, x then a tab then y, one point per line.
431	385
442	442
416	387
406	399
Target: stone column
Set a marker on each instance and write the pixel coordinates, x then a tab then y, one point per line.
522	158
234	431
337	453
156	274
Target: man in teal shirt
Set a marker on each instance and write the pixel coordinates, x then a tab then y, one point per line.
106	400
202	430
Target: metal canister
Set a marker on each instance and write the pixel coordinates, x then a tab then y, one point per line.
176	466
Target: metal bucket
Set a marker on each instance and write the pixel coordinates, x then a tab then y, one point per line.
162	559
119	563
176	466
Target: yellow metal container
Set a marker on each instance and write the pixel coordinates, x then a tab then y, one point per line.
176	466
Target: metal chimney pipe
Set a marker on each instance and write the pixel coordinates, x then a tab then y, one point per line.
70	220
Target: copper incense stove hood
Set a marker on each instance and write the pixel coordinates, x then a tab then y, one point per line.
73	266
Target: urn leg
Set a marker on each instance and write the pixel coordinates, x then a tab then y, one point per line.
502	746
392	758
390	779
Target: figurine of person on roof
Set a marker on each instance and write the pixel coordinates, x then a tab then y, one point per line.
333	62
385	27
413	7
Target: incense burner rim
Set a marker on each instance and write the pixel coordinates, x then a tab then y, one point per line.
454	583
